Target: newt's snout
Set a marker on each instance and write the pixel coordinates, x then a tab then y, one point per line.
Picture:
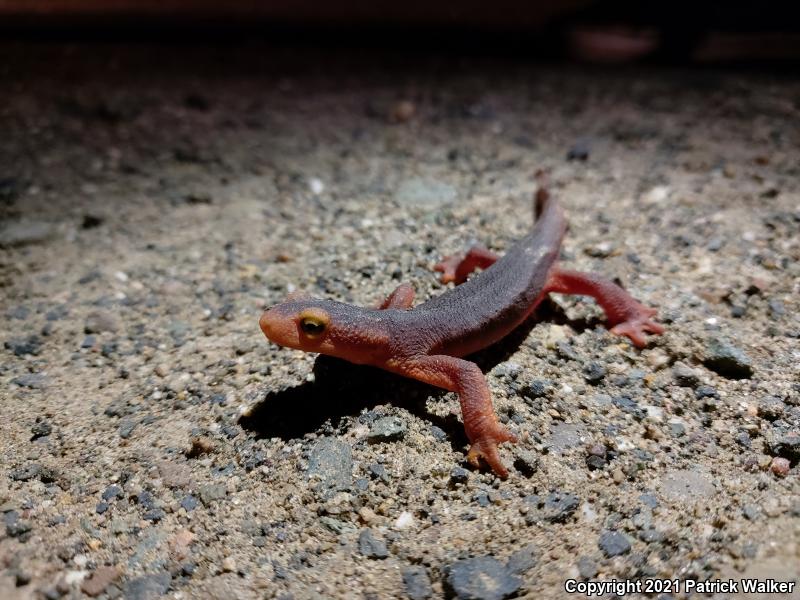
279	327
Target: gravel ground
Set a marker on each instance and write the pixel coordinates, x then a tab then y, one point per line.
155	200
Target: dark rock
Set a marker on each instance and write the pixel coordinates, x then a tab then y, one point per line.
213	492
786	445
537	388
34	381
154	515
22	346
705	391
580	150
525	461
189	503
100	321
33	471
331	461
370	546
587	567
378	471
438	433
126	428
557	507
459	475
522	560
594	373
651	536
417	583
17	528
387	429
628	405
771	408
685	376
24	232
88	342
101	507
111	492
614	543
41	429
724	358
481	578
147	587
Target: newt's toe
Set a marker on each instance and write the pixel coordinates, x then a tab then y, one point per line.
636	327
486	448
447	267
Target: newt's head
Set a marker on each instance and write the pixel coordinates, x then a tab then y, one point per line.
327	327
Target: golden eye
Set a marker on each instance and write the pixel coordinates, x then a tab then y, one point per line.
312	326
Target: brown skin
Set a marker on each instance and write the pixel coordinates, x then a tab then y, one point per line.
427	342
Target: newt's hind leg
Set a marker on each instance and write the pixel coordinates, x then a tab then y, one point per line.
465	378
624	313
457	268
402	297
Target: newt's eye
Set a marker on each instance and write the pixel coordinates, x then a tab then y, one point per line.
312	327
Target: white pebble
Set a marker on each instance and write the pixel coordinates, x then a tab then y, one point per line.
404	521
316	186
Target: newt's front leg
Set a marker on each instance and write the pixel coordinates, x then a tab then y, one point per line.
465	378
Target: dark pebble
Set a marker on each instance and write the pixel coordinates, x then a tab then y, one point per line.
189	503
771	408
614	543
101	507
154	515
587	567
579	151
594	373
537	388
33	471
651	536
628	405
481	578
526	461
41	429
88	342
557	507
147	587
212	493
111	492
438	433
331	461
786	445
18	528
387	429
459	475
596	463
126	428
417	583
370	546
378	471
522	560
743	439
22	346
34	381
705	391
724	358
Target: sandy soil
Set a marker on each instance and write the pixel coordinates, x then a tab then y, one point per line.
155	200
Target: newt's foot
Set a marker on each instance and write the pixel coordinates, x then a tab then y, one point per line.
636	325
486	448
448	267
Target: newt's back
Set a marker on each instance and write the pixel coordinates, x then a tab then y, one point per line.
484	309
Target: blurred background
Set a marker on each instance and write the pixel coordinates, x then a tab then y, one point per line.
706	31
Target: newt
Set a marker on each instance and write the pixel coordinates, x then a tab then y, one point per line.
428	342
